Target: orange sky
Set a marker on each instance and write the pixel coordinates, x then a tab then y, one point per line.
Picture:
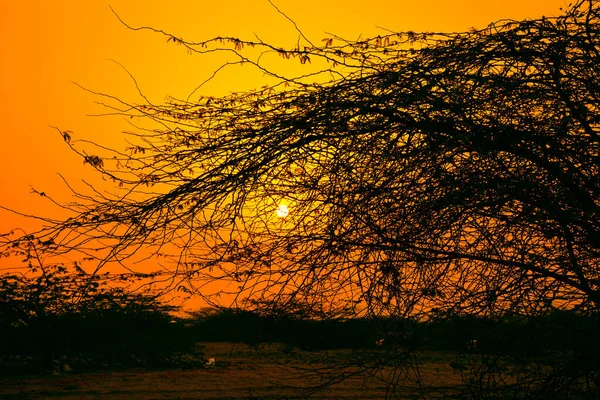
48	44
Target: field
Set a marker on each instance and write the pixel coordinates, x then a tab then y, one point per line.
240	371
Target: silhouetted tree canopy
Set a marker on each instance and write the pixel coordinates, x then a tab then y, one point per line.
448	171
424	173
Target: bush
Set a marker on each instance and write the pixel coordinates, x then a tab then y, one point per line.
85	321
232	325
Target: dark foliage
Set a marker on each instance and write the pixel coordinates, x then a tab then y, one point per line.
550	335
54	316
552	356
307	334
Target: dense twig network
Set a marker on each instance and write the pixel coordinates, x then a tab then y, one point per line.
436	170
424	174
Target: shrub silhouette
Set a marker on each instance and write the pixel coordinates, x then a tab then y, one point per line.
58	313
253	328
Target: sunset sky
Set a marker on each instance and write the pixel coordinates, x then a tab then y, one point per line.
47	45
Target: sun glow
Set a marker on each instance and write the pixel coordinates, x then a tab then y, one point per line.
282	211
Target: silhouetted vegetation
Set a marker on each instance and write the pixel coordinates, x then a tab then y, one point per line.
54	316
547	356
252	328
61	318
549	336
432	175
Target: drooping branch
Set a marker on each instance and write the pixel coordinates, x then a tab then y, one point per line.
434	171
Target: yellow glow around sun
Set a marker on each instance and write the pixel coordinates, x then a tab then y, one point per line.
282	211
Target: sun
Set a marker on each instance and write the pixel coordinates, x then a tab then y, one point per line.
282	211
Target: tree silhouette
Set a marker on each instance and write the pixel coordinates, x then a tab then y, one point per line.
53	315
424	174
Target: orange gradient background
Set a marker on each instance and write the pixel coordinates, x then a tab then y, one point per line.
47	45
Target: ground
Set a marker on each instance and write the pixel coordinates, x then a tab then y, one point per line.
240	371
